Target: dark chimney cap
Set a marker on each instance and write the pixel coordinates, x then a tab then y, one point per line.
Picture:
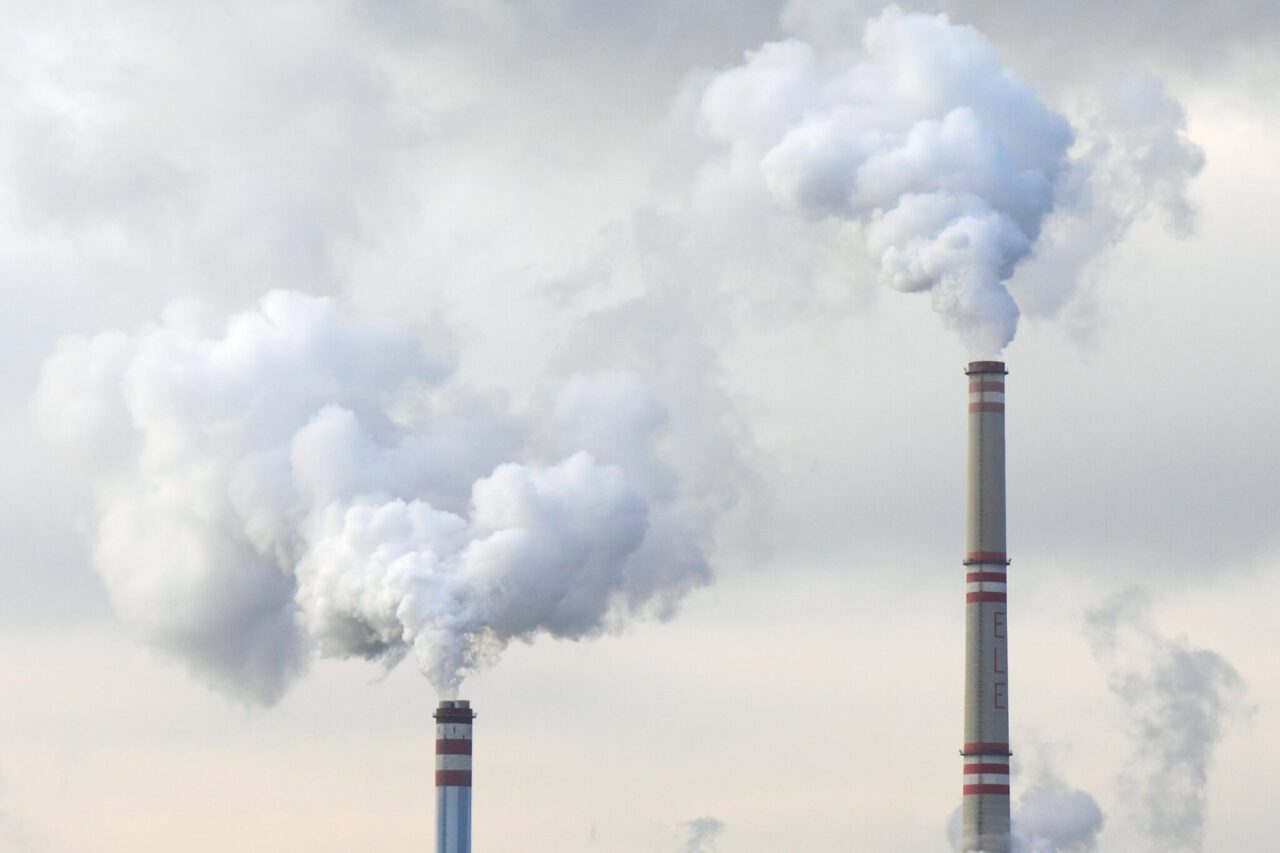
454	711
985	367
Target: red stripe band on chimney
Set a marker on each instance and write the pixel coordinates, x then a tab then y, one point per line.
986	557
453	778
994	597
453	747
970	790
990	577
987	768
977	385
986	407
980	748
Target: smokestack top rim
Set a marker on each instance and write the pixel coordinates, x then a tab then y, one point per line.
986	367
455	703
454	711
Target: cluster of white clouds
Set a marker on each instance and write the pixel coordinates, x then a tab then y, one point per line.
297	481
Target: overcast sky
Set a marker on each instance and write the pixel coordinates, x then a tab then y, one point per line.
582	229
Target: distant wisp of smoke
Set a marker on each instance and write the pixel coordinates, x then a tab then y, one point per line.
295	481
928	142
703	833
1179	700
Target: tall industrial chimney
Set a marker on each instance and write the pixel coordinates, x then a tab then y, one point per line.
453	776
986	752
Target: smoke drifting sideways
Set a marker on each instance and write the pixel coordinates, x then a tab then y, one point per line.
945	160
1179	700
292	481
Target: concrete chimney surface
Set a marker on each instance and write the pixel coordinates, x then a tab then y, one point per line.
985	824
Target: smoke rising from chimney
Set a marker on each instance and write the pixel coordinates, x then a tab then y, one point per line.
1179	700
944	158
295	481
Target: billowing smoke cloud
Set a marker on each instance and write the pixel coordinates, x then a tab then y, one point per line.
1179	699
703	833
945	159
295	481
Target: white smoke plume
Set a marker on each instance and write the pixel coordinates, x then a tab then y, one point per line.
1052	817
1179	700
946	160
703	833
295	481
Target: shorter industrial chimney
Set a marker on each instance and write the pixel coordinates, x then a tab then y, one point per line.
453	776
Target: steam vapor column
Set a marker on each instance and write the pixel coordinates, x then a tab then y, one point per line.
453	776
986	752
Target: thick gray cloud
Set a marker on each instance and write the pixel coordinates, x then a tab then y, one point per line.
1069	44
212	146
